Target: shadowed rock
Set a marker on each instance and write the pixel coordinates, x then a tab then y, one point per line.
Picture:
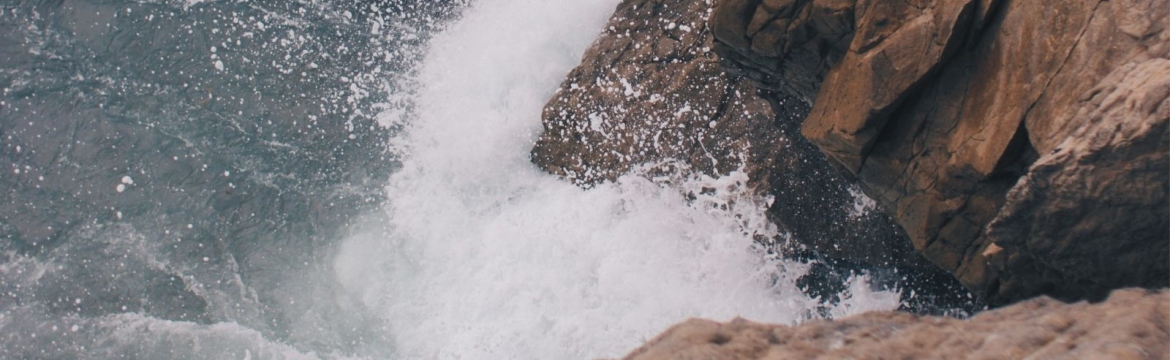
938	108
650	91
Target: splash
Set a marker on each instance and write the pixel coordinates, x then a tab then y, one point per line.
481	255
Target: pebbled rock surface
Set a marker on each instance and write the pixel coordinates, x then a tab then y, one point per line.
1132	324
1021	145
650	91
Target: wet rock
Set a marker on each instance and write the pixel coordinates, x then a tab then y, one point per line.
650	91
938	108
1132	324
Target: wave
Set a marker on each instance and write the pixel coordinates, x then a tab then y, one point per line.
481	255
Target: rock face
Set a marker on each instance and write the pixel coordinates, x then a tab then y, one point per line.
1132	324
651	91
1023	146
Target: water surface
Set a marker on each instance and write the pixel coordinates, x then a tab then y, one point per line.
310	179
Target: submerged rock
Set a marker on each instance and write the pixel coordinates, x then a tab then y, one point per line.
1132	324
939	108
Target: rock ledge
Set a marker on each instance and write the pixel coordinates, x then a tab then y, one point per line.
1132	324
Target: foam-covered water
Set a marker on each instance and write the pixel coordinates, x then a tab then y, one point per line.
207	179
483	256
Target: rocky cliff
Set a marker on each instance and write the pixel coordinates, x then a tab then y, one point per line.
1022	145
1132	324
650	90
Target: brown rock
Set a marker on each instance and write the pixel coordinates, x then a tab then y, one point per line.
939	107
650	91
1132	324
896	46
1092	212
647	91
783	45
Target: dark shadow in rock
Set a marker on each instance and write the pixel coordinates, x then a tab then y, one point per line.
923	292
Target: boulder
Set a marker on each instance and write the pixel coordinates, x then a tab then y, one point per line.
1020	145
650	91
1132	324
1091	214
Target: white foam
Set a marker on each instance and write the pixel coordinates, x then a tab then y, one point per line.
487	257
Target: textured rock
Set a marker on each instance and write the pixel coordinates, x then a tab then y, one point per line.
938	108
895	47
1106	182
783	45
651	91
1132	324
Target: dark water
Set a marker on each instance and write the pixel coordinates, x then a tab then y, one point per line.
163	163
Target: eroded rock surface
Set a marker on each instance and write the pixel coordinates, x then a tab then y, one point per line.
650	91
1132	324
938	108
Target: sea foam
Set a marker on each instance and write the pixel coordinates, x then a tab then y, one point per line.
483	256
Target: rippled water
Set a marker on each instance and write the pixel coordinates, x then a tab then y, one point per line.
316	179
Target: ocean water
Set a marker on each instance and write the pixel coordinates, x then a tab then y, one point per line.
316	179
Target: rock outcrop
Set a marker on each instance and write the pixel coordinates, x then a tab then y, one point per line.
1132	324
1023	146
651	91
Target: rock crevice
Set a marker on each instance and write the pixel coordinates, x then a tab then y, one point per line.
949	112
651	90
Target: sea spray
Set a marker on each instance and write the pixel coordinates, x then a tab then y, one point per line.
483	256
227	145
